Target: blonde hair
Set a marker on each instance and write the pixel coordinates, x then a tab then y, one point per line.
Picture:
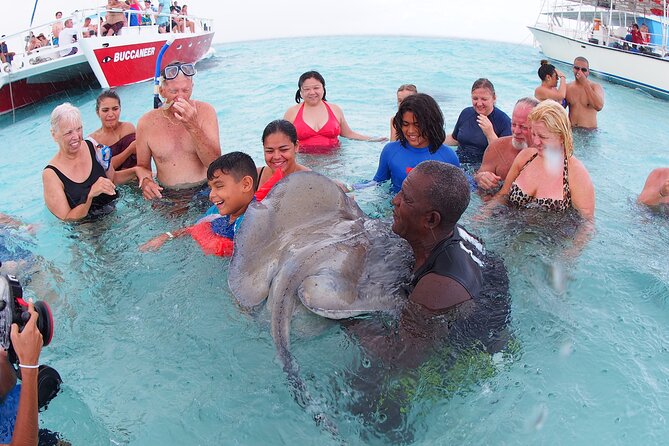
556	120
63	112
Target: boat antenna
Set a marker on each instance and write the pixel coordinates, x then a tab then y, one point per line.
156	79
33	16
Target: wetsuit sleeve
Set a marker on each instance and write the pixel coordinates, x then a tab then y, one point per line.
451	157
383	171
458	124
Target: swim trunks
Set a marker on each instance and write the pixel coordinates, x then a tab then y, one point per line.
321	141
472	142
396	159
459	257
77	193
116	27
520	199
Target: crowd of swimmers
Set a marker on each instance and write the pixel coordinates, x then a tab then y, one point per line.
526	160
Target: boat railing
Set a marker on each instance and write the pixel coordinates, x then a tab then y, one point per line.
25	57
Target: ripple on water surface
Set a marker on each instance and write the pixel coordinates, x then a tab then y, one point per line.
154	350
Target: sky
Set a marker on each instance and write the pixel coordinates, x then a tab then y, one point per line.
267	19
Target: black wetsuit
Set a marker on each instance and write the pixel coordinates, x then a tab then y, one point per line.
459	257
77	193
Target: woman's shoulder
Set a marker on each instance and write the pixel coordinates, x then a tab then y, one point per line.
126	128
578	173
292	112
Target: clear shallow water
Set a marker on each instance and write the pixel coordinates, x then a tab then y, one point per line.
153	349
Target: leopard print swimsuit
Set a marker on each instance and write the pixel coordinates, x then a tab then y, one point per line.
520	199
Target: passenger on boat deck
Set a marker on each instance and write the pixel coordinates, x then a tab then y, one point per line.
57	27
6	56
547	175
319	123
636	35
584	97
87	29
175	21
656	189
280	147
79	181
118	135
402	92
181	136
419	124
43	40
67	37
163	18
550	77
479	125
115	19
33	44
645	34
135	16
186	23
500	154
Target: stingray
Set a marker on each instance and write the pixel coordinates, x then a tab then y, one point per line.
308	243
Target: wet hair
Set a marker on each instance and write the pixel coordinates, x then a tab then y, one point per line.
64	112
309	75
236	164
530	102
407	87
545	69
582	59
429	117
448	190
483	83
556	120
107	94
280	126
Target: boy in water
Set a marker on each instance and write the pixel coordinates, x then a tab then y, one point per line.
233	179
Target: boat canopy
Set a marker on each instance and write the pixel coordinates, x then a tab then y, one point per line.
637	7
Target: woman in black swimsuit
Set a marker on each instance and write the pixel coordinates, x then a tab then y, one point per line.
79	180
548	175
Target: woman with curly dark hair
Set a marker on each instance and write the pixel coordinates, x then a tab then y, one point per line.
419	124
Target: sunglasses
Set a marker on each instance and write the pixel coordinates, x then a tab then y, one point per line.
172	71
583	69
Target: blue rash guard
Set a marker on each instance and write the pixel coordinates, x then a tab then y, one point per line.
395	159
471	140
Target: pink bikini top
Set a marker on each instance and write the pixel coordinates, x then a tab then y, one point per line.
322	141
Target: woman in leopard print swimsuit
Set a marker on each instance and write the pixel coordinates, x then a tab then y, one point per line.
548	175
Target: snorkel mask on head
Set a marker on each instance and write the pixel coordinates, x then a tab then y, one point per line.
14	310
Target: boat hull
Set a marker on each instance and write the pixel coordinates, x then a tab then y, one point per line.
111	61
648	73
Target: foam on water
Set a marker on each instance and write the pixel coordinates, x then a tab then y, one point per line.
153	350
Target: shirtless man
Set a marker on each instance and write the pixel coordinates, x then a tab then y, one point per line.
656	189
499	155
57	27
115	19
181	137
584	97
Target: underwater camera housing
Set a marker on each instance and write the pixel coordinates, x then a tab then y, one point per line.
14	310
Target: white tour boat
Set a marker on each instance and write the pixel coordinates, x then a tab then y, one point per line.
601	31
113	61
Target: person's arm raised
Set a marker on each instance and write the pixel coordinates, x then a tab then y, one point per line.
346	130
27	344
199	119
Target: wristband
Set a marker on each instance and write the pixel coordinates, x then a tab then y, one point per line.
169	234
24	366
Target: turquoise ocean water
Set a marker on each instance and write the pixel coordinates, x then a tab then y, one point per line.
153	349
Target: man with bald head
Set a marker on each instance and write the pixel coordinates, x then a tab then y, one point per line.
499	154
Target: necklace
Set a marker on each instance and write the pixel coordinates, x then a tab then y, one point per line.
167	115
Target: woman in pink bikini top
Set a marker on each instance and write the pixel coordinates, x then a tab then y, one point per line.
319	123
